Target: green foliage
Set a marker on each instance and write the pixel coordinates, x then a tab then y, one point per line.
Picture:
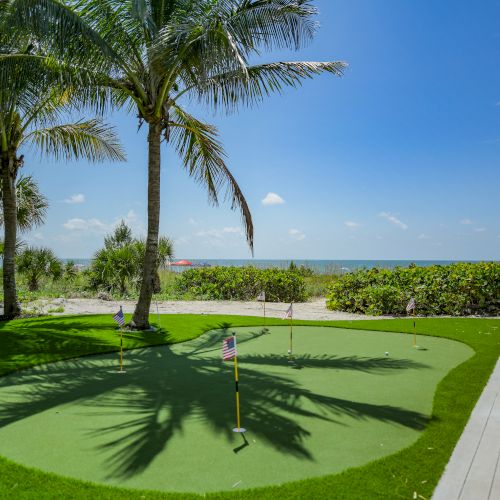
242	283
36	263
117	268
31	204
304	271
455	290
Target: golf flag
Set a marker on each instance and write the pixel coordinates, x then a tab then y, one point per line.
411	305
229	348
119	318
289	313
261	297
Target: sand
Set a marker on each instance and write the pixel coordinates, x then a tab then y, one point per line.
313	310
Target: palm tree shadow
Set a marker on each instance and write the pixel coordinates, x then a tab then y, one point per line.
163	387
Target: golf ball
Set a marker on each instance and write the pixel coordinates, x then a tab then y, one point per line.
386	353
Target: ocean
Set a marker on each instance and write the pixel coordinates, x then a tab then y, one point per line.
319	266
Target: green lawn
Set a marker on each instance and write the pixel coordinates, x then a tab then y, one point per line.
416	468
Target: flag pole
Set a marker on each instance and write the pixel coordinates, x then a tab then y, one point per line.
414	330
121	350
264	313
290	352
238	427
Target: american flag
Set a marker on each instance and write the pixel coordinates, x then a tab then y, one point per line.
288	313
229	348
119	318
261	297
411	305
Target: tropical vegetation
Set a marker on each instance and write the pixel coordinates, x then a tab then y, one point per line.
157	55
35	263
117	268
37	91
242	283
457	290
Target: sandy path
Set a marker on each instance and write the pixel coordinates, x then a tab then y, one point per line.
314	310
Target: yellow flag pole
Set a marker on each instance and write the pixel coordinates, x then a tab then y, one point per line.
238	420
238	427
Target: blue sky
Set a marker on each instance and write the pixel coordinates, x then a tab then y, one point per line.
399	159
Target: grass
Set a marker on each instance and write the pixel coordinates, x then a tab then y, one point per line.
417	468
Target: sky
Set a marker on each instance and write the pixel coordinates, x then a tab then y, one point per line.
398	159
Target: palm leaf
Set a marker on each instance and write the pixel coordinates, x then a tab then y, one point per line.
203	157
90	139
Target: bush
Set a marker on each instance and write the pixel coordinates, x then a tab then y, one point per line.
241	283
456	290
38	263
117	268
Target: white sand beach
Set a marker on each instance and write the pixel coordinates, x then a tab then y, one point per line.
313	310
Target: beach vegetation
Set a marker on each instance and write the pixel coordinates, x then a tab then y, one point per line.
242	283
117	267
457	290
37	263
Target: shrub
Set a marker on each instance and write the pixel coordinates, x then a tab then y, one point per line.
241	283
456	290
117	267
37	263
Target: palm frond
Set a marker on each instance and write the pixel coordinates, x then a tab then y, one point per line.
249	88
32	205
90	139
203	157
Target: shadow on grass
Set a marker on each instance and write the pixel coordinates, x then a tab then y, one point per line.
165	386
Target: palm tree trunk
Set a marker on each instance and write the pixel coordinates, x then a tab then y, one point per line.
140	319
11	307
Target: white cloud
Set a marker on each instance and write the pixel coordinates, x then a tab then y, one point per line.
75	199
393	219
193	222
219	234
480	229
351	224
273	199
297	234
423	237
97	226
466	222
78	224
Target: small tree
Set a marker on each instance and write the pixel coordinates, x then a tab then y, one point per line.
119	265
35	263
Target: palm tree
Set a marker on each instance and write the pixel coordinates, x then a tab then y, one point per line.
160	53
31	204
33	100
37	263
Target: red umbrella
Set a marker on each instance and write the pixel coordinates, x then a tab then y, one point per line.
182	263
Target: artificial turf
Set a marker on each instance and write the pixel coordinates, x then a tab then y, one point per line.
342	403
414	469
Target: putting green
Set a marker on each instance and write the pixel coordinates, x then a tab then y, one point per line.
167	423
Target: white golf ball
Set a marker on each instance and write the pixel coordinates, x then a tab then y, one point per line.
386	353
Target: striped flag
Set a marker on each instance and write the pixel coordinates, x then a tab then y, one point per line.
261	297
411	305
119	318
289	312
229	348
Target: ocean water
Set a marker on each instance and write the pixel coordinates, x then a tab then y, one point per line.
319	266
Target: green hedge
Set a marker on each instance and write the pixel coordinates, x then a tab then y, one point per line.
457	290
242	283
